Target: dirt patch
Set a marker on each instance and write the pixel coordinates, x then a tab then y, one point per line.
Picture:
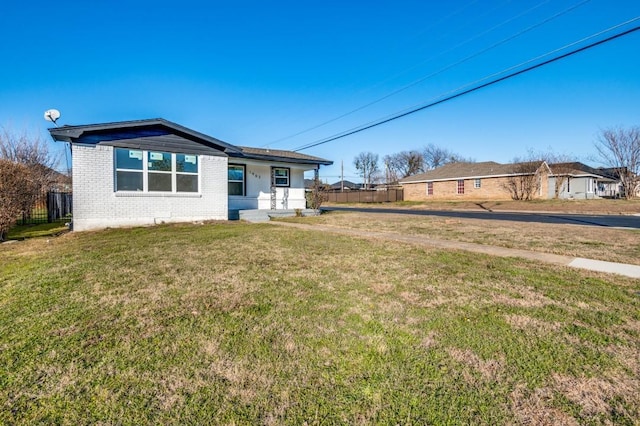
534	408
490	369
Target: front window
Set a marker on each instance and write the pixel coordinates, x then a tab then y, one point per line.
155	171
477	183
281	176
461	187
236	179
129	170
429	188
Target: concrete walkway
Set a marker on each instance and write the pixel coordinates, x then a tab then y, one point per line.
632	271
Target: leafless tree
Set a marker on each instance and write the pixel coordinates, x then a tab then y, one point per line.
318	194
17	184
435	156
403	164
525	179
33	153
619	148
367	164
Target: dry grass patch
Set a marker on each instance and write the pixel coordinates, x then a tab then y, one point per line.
614	245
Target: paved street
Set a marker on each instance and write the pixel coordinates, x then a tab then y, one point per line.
617	221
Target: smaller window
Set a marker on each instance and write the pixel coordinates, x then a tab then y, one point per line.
236	180
281	176
477	183
460	187
429	188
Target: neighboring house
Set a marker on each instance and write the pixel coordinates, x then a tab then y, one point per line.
59	182
345	184
152	171
577	180
485	180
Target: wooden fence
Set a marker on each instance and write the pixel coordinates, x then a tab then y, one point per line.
371	196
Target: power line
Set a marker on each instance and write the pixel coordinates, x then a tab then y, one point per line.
452	65
468	91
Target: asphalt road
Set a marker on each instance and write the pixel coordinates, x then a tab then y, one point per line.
615	221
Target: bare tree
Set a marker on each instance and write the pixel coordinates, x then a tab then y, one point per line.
524	180
318	194
17	184
403	164
435	156
367	164
33	153
619	149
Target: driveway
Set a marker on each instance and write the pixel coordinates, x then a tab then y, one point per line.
615	221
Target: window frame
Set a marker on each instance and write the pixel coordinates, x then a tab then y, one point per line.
275	177
148	170
477	183
429	188
460	187
243	180
141	171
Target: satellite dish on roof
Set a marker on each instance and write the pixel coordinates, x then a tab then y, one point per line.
52	115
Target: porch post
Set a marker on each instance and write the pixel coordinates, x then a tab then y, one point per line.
273	189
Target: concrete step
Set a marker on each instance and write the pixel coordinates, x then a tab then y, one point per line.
265	215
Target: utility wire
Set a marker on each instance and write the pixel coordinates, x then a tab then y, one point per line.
521	64
468	91
452	65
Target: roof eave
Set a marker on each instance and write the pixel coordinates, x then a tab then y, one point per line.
319	161
72	133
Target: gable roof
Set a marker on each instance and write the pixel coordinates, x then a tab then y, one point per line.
161	134
577	169
464	170
346	183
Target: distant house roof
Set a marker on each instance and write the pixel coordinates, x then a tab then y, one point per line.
577	169
347	184
464	170
161	134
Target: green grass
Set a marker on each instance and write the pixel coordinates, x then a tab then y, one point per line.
256	324
21	232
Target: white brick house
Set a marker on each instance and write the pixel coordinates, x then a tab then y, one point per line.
152	171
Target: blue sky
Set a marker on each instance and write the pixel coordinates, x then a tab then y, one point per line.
255	72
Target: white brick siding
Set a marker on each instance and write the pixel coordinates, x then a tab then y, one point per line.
96	204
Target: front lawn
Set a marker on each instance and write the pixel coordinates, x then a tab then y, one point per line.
233	323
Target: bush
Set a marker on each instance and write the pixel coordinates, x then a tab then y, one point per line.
17	186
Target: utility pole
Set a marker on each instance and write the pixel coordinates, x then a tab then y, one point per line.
341	175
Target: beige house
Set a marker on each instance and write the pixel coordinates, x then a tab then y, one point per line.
477	181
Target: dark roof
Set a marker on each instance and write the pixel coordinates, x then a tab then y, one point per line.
580	169
158	133
347	184
280	155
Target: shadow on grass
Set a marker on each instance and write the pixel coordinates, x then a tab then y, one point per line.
21	232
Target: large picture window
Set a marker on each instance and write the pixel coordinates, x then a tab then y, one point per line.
155	171
281	176
236	179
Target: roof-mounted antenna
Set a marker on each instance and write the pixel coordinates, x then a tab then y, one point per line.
52	115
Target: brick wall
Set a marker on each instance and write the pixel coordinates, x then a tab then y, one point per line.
97	205
490	189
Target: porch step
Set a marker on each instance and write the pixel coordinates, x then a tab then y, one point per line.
266	215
